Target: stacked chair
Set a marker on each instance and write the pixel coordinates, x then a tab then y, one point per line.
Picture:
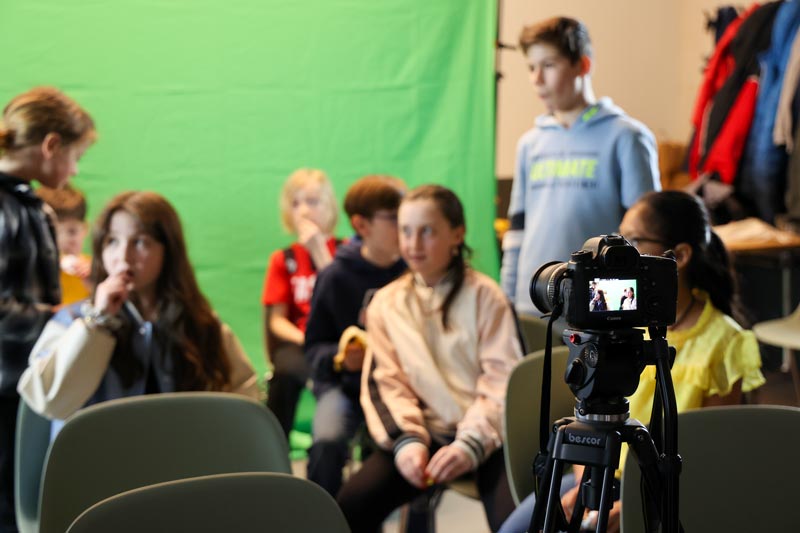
135	445
210	504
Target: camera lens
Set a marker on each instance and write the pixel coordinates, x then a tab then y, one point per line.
544	284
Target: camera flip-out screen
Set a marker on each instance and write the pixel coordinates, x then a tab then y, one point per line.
612	295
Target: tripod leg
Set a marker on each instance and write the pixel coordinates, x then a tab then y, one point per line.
606	497
553	499
588	497
577	510
540	506
643	448
550	484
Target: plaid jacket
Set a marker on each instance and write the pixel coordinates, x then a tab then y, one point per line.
29	284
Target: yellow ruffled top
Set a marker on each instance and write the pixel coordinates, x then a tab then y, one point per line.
711	357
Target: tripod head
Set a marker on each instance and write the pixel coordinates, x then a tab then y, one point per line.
603	368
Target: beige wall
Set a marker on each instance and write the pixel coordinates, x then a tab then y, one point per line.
648	57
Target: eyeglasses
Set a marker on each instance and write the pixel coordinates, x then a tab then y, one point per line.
391	217
636	241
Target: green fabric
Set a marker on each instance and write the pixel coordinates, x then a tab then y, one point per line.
214	104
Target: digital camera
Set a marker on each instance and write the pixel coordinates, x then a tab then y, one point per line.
609	285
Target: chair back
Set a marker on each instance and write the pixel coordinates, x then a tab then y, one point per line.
234	503
738	470
534	332
124	444
32	443
523	399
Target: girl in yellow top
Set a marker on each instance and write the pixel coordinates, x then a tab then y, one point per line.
716	360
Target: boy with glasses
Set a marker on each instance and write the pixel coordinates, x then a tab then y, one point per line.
335	341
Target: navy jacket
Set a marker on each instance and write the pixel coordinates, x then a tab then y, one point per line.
341	294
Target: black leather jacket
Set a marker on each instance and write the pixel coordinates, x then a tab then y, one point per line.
29	277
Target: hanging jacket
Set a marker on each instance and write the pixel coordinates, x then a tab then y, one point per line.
725	16
719	68
722	118
792	197
786	114
762	177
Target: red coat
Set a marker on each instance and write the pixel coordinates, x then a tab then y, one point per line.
722	156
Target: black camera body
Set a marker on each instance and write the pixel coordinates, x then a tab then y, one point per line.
595	282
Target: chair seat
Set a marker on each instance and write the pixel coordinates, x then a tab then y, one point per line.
466	486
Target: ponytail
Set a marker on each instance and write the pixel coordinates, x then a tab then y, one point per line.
709	270
458	271
712	272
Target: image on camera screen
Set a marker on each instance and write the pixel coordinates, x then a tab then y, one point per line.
612	295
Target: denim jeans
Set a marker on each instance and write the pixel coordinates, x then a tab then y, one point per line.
520	519
336	420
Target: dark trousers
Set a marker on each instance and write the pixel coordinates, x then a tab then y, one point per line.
378	488
8	428
289	376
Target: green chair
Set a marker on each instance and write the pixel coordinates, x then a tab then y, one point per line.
534	332
233	503
738	475
129	443
523	399
32	443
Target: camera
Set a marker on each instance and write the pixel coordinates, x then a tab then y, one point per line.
596	282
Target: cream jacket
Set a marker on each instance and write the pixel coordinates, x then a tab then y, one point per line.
422	382
69	366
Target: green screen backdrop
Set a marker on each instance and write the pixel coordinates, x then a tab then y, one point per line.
213	104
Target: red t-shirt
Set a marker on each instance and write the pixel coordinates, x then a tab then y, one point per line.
290	280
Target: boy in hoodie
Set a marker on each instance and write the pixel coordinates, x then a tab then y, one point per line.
580	167
335	341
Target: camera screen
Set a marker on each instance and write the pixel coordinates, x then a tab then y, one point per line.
612	295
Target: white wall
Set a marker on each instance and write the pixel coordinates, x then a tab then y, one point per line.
648	57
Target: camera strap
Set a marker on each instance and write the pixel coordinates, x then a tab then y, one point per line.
540	462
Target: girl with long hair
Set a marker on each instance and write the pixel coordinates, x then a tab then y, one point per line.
147	328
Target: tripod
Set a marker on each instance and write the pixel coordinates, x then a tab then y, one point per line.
597	446
594	437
